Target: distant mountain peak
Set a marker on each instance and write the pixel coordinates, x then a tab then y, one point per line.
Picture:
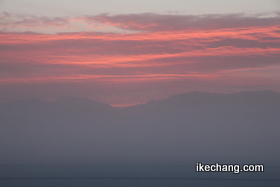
80	101
72	99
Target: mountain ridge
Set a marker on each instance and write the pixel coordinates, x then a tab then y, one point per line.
182	129
84	100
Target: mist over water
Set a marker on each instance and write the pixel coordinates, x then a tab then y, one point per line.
79	142
119	176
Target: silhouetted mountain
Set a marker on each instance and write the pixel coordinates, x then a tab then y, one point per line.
186	128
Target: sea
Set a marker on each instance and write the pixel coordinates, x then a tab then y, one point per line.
131	176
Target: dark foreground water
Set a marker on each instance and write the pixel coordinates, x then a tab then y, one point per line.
131	176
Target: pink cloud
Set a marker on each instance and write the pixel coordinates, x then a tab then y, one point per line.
184	52
157	22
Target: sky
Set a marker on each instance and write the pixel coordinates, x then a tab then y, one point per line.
129	52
